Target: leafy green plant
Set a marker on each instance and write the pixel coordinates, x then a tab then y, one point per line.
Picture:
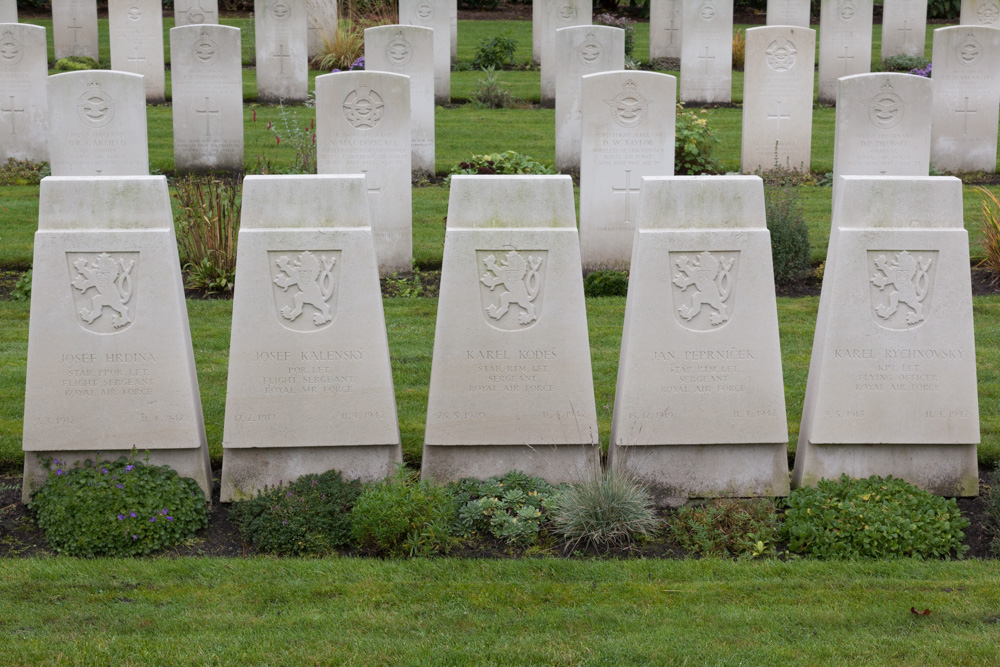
478	5
495	52
407	287
76	64
23	172
508	162
300	137
872	518
735	527
404	516
207	228
117	508
693	144
606	283
989	229
609	510
510	508
310	516
491	93
943	9
623	22
904	63
22	288
790	252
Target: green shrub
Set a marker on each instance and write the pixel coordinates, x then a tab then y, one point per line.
207	228
606	283
22	288
693	144
509	162
478	5
609	510
491	93
117	508
903	63
872	518
496	52
790	251
943	9
510	508
76	64
736	527
403	516
310	516
624	23
23	172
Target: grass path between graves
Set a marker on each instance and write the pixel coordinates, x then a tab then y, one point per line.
410	326
491	612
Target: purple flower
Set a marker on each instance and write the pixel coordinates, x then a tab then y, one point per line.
163	512
58	472
359	63
152	519
119	486
132	514
121	517
170	518
135	537
104	471
129	467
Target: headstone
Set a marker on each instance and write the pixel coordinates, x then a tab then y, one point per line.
409	50
628	133
74	28
453	40
101	117
282	67
892	379
707	52
665	29
883	126
363	127
207	97
8	11
904	28
310	387
110	363
700	402
581	50
194	12
436	15
966	81
778	98
136	28
845	43
511	384
24	111
321	21
789	12
553	15
980	12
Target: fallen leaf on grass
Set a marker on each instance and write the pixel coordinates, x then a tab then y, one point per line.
925	612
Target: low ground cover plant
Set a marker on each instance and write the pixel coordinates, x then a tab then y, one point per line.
872	518
117	508
207	228
733	527
23	172
609	510
508	162
310	516
495	52
511	508
606	283
491	93
693	144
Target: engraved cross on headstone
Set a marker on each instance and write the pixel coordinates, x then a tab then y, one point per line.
372	203
136	58
13	119
627	191
906	32
671	30
845	58
208	113
778	117
706	58
965	116
76	27
281	56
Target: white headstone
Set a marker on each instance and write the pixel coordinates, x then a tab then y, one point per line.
310	387
845	43
136	28
789	12
207	97
8	11
581	50
778	98
436	15
980	12
74	28
892	379
110	364
700	403
904	28
98	122
883	126
322	20
409	50
628	133
707	52
363	127
966	79
453	39
193	12
282	67
553	15
665	29
24	111
511	384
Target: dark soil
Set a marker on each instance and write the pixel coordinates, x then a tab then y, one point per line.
20	538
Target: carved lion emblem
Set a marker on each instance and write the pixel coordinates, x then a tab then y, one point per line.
312	274
712	275
906	279
103	281
520	276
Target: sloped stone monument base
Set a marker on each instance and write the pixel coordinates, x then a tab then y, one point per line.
246	471
706	471
191	463
947	470
555	464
